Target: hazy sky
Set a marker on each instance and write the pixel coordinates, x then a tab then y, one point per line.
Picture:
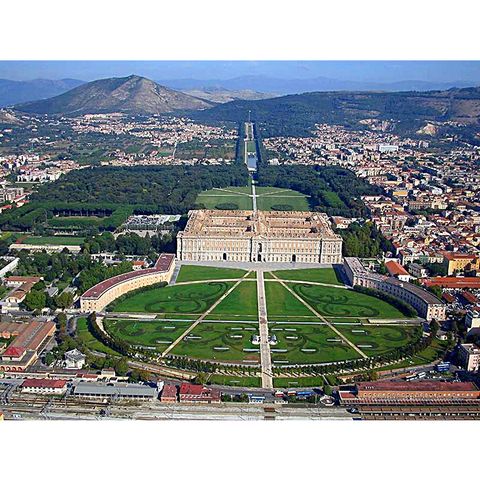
378	71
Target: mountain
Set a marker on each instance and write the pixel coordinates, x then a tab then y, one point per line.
223	95
12	92
282	86
406	112
133	95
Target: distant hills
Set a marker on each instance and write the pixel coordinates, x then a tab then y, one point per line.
133	95
283	86
405	111
12	92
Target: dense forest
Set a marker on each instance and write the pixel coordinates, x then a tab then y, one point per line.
332	190
173	189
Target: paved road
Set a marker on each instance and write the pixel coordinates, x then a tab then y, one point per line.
254	197
257	266
265	355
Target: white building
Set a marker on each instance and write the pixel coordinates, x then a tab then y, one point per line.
469	356
472	320
74	359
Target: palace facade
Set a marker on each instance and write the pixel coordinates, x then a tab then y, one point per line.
260	236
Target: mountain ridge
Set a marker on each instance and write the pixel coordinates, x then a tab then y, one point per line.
132	95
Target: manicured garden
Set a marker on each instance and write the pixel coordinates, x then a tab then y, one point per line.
308	344
379	339
217	341
193	298
156	334
337	302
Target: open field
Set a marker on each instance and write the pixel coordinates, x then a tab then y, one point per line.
53	240
156	334
241	301
308	344
219	199
320	275
190	273
220	342
90	341
378	339
283	202
194	298
281	302
336	302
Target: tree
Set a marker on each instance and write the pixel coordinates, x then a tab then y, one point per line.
35	300
64	300
434	327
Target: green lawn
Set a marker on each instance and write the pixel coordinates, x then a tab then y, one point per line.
190	273
90	341
320	275
284	382
241	301
157	334
53	240
378	339
213	199
235	381
281	202
194	298
220	342
281	302
308	344
336	302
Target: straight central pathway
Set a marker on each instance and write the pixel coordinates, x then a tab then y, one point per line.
265	355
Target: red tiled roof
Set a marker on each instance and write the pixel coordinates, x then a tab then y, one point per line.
169	391
162	265
190	389
394	268
453	282
43	383
459	256
13	352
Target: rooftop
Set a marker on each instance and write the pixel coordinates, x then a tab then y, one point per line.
426	386
162	264
247	223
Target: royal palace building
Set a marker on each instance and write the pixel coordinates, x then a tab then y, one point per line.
260	236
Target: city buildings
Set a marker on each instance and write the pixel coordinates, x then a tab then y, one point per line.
260	236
